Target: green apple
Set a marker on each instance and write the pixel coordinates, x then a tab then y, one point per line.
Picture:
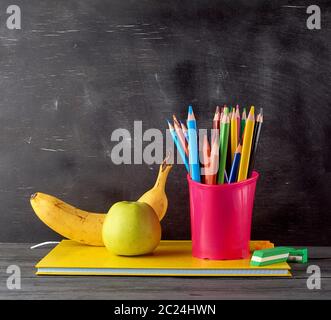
131	229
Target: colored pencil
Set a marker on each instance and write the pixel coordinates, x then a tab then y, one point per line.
193	146
222	112
178	146
256	138
214	159
246	147
234	134
216	119
238	121
216	124
226	179
230	112
206	160
184	130
224	137
235	165
180	134
243	122
228	154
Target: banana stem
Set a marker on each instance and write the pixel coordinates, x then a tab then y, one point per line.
163	174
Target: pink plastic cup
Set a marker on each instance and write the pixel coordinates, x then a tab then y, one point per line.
221	218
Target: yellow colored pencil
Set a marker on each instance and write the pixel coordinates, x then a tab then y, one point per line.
247	145
234	134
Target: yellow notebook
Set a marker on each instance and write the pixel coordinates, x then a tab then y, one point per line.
171	258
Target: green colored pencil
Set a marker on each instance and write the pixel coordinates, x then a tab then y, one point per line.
242	123
224	138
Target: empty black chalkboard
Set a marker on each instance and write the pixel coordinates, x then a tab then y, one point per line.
78	70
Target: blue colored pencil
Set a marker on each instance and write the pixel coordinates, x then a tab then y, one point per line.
235	165
226	179
178	146
193	146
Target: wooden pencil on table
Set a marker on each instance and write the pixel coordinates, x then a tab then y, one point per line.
256	138
246	147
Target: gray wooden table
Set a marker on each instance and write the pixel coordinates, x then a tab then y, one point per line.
100	287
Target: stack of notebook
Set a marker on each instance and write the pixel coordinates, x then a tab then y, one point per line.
171	258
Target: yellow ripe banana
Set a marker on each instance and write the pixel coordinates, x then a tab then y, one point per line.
156	197
86	227
72	223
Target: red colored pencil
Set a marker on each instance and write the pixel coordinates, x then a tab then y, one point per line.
207	177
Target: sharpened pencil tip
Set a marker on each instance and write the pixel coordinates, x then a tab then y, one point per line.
233	115
226	110
183	126
238	150
174	118
190	109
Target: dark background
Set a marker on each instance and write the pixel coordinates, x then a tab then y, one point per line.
80	69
